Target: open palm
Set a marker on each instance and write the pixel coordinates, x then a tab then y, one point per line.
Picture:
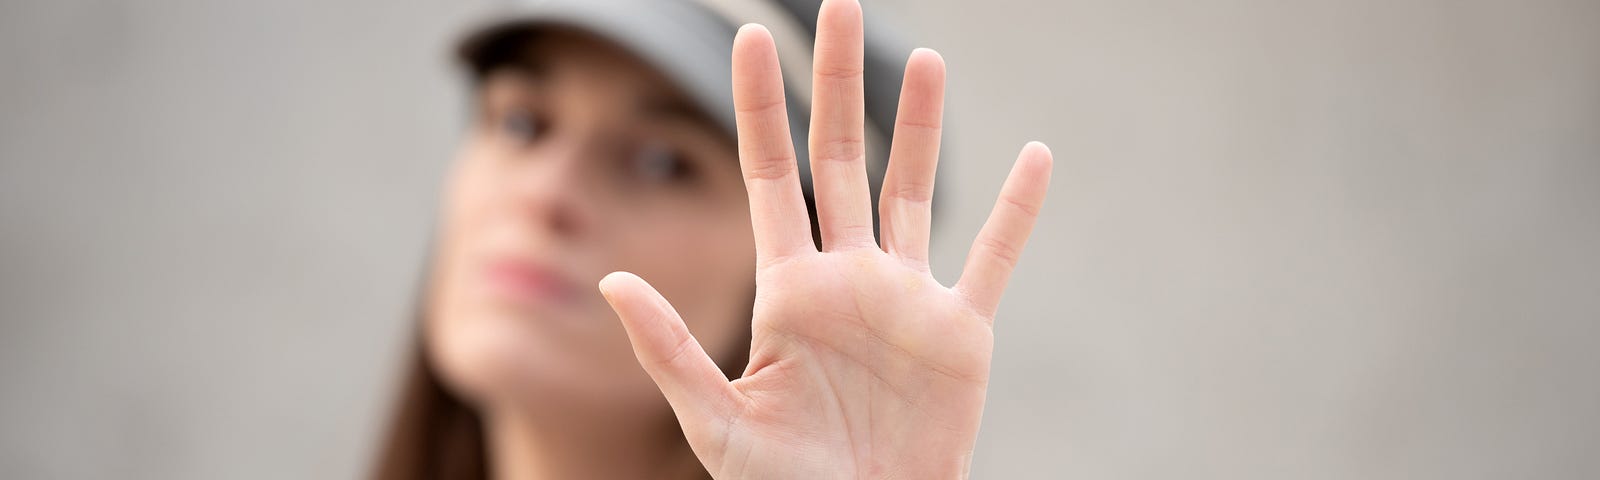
861	364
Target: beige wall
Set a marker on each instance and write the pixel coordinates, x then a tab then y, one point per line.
1337	239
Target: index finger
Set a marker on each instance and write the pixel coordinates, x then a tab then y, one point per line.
766	151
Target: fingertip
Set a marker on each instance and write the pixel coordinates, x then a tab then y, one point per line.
835	6
839	20
1037	148
926	60
753	38
1035	163
752	29
614	282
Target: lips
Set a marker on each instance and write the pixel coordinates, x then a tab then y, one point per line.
529	283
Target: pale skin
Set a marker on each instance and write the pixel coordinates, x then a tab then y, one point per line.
862	365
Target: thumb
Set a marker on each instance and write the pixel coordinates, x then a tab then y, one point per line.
699	393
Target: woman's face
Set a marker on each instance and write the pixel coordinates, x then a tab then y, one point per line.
583	161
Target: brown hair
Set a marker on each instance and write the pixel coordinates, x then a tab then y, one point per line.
433	434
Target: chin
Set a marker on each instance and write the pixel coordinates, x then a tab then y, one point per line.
498	360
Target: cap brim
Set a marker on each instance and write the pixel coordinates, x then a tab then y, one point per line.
691	47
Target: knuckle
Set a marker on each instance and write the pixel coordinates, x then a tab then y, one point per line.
923	126
680	352
851	235
912	192
760	106
837	72
1027	209
843	149
770	168
1002	250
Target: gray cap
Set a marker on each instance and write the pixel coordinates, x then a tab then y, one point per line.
691	42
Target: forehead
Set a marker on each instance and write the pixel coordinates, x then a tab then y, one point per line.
555	55
573	48
554	59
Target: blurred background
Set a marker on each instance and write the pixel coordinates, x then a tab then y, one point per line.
1286	239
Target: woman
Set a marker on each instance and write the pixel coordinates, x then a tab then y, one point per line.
598	157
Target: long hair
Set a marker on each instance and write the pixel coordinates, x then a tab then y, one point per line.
433	434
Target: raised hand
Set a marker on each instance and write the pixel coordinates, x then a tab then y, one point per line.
861	364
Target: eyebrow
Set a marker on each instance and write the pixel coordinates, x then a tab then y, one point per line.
679	110
528	70
524	70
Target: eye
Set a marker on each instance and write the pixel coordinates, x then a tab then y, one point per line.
522	126
658	162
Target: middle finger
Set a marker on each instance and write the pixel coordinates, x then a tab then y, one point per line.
838	152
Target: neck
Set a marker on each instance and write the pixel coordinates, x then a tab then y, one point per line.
528	447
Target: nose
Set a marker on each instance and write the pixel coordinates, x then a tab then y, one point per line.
553	190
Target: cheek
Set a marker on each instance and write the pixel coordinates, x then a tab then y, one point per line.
555	360
700	258
706	268
464	219
469	350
